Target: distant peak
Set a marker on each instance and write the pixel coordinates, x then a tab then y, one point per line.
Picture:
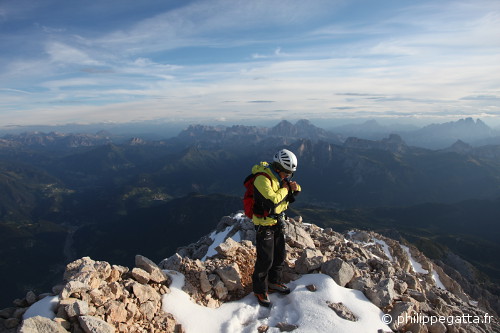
303	122
284	123
461	143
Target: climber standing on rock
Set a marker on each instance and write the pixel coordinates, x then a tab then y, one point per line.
273	190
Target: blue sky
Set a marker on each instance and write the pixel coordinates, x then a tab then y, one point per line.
75	61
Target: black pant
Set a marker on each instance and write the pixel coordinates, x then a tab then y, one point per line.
270	243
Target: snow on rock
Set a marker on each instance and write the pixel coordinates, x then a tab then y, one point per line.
308	311
436	279
45	307
385	247
417	267
217	238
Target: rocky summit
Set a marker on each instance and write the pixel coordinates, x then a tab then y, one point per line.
410	291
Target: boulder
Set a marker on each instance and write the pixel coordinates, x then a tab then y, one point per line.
298	237
401	310
339	270
148	310
76	308
173	262
231	276
95	325
117	312
361	283
140	275
220	290
31	297
228	248
310	259
360	236
74	287
156	274
145	292
382	294
39	324
204	283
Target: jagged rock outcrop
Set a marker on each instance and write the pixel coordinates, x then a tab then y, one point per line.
394	143
382	268
401	281
98	297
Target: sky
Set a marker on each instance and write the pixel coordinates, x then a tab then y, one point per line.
75	61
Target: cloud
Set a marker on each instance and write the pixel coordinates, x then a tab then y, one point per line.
481	98
61	53
307	58
17	91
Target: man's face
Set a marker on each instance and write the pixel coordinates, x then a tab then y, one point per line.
284	174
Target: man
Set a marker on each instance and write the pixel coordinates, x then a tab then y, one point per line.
273	192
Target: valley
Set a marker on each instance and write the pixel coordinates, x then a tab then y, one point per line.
107	192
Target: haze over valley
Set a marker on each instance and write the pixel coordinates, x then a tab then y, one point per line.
89	194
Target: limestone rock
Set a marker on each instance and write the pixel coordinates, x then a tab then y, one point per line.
231	276
298	237
286	327
145	292
140	275
400	310
173	262
76	308
73	287
117	312
95	325
309	260
311	287
339	270
156	274
361	283
148	309
361	236
31	297
220	290
40	325
342	311
228	248
204	283
383	294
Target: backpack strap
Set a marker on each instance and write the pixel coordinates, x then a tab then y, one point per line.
267	209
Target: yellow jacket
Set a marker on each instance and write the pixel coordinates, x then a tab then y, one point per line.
269	189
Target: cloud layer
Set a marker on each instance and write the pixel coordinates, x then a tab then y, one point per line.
294	59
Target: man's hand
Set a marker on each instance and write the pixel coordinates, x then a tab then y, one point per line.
294	186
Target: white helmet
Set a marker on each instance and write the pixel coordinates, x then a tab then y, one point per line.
286	159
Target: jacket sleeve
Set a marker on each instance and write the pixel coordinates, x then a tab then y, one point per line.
264	186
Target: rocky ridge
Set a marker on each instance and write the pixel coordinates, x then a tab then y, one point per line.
100	297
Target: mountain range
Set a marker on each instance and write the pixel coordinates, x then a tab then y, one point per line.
433	136
85	194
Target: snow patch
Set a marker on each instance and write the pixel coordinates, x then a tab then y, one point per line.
308	310
417	267
385	247
217	238
437	280
45	307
